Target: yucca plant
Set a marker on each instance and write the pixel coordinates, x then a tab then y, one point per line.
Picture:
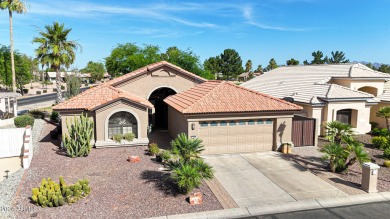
356	153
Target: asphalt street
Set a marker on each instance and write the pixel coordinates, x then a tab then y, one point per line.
41	98
375	210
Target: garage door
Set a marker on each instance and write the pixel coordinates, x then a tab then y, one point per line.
236	136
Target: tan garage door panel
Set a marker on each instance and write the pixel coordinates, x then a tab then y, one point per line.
237	136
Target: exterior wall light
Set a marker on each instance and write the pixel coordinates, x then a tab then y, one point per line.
193	126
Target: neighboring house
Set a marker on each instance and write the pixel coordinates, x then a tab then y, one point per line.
350	93
227	117
243	76
51	76
8	107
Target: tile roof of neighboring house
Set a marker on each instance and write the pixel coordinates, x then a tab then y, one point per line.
152	67
308	83
225	97
385	96
97	96
245	74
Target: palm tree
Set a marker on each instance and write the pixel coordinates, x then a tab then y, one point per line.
19	7
355	152
336	130
336	155
186	148
56	51
384	112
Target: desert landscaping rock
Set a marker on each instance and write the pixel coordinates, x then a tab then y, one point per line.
119	189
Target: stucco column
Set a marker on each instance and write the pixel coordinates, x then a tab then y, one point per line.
15	107
8	104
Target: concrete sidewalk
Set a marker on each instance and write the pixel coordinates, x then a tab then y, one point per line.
319	203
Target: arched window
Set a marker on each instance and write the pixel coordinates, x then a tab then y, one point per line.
232	123
269	121
241	122
223	123
213	123
122	123
251	122
260	122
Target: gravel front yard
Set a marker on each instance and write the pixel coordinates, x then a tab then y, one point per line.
355	171
119	189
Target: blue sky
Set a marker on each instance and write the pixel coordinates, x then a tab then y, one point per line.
258	30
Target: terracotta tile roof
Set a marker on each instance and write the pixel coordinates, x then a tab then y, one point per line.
97	96
152	67
225	97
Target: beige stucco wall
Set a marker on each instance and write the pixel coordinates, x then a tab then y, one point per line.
104	113
315	112
362	122
68	116
177	123
373	118
166	77
357	84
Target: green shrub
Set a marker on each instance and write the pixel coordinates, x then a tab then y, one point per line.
374	125
380	132
54	89
380	142
38	92
23	121
153	149
44	91
62	87
117	138
166	155
54	116
78	142
386	163
52	194
37	114
129	136
25	90
386	154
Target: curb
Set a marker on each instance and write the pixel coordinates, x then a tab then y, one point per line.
310	204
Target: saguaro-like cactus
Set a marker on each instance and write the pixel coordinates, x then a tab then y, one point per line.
78	142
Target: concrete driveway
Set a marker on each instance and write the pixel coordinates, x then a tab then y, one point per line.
267	178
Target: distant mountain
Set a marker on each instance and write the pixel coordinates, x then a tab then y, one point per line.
375	64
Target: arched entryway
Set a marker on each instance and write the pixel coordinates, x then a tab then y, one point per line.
370	90
122	122
159	118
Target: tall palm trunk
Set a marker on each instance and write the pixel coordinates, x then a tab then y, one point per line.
58	85
12	52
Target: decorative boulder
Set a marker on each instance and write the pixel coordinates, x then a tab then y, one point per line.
196	198
134	159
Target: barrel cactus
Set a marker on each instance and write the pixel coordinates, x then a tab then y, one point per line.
51	194
78	142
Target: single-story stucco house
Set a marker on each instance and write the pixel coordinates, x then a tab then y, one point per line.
228	118
351	93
